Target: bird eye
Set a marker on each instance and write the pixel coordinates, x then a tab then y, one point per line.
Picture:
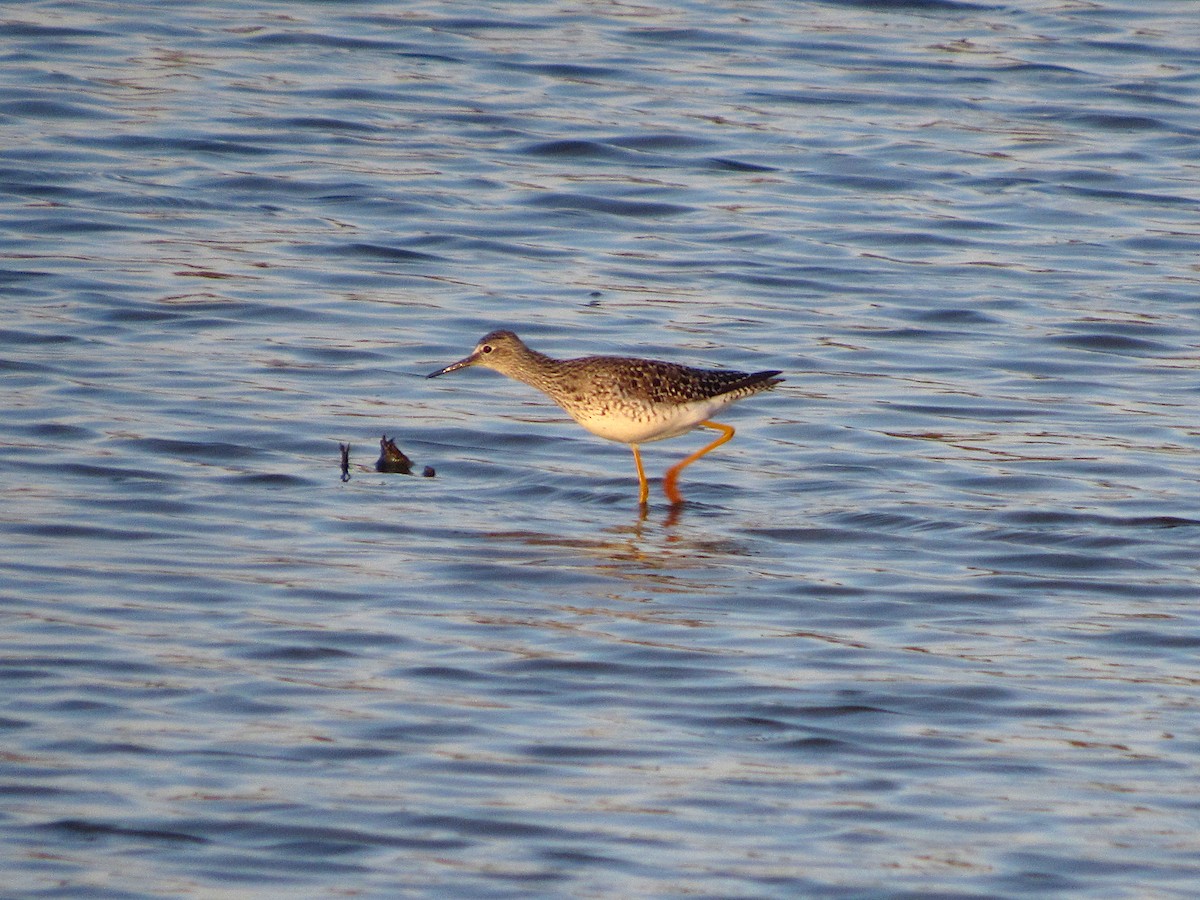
486	348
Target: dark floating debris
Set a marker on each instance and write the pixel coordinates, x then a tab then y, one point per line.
392	459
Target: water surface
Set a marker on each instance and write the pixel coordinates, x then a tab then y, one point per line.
926	627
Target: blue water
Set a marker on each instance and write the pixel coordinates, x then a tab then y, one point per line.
928	627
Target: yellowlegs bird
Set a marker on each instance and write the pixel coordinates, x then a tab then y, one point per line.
623	398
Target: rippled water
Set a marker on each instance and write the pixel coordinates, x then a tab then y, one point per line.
927	627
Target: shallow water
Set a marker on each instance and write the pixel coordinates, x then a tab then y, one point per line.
926	627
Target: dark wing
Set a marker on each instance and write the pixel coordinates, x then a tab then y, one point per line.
664	382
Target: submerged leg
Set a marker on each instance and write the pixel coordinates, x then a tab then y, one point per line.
672	475
643	486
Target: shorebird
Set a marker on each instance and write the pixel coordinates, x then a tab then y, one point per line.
624	398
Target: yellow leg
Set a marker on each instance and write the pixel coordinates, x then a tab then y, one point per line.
672	475
643	486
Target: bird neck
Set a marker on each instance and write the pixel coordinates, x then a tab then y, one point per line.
535	369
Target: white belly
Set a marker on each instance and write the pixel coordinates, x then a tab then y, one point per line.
667	422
